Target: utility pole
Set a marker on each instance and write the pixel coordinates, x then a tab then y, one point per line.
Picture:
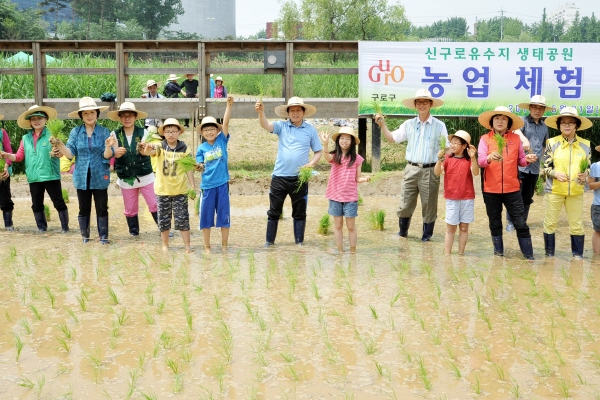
501	23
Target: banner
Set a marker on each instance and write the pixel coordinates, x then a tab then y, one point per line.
474	77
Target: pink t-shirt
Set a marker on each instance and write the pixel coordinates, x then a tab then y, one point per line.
342	185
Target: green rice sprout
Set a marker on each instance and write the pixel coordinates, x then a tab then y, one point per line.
584	164
304	175
47	212
186	164
56	128
442	143
197	205
324	225
65	195
155	138
500	142
2	164
377	219
191	194
377	108
113	296
18	346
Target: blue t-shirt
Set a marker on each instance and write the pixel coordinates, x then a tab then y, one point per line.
595	173
214	158
294	146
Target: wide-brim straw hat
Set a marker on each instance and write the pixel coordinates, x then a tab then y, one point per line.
569	112
86	104
486	116
173	77
464	135
537	100
422	94
347	130
206	121
127	106
170	121
23	120
219	78
282	110
149	83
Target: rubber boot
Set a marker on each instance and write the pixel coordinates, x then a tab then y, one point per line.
404	224
577	242
549	244
299	227
134	225
526	248
155	216
84	226
103	229
498	245
427	231
40	221
8	222
271	232
63	216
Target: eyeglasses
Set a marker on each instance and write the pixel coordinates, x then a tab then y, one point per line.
568	123
171	132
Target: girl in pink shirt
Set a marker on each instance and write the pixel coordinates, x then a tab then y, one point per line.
342	187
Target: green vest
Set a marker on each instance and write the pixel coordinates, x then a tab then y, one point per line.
39	165
132	163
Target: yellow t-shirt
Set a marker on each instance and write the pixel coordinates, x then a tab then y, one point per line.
65	164
169	180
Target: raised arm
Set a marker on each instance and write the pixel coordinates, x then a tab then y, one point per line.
325	139
379	120
227	115
262	118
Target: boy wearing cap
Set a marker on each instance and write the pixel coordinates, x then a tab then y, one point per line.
214	187
151	92
536	133
296	139
422	134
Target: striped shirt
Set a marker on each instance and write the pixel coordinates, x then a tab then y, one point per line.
423	139
342	185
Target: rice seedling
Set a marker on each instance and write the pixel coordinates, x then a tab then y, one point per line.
18	346
63	343
442	140
579	376
47	212
584	164
51	296
348	295
304	175
72	314
122	317
564	388
186	164
377	220
395	299
315	290
25	325
65	330
369	344
500	143
166	340
423	374
149	395
304	307
324	225
477	385
374	313
160	307
500	371
35	312
26	383
514	389
455	369
113	296
149	317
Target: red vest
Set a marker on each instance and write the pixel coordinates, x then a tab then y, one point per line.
502	176
458	179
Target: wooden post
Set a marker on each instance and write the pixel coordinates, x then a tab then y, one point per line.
362	136
375	147
39	83
288	77
204	84
122	89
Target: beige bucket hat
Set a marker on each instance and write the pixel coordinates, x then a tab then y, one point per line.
422	94
23	120
219	78
537	100
85	104
150	82
485	117
569	112
464	135
206	121
347	130
170	121
173	77
282	110
126	106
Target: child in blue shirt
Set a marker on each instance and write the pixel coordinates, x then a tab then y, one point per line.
594	183
214	187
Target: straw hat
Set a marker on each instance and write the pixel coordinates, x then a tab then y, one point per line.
127	106
537	100
421	94
218	78
463	135
23	120
206	121
149	83
282	110
1	116
85	104
170	121
191	73
347	130
173	77
485	117
569	112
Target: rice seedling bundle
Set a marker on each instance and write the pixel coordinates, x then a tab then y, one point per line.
47	212
324	225
377	219
186	164
65	195
191	194
442	143
500	142
304	175
2	164
56	128
583	165
152	138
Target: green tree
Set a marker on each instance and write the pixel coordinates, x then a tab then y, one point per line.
20	24
153	15
53	7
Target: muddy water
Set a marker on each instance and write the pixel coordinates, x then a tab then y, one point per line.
397	320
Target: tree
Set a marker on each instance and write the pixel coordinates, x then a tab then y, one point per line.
20	25
54	7
154	15
455	28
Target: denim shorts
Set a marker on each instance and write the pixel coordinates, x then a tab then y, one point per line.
348	210
460	211
596	218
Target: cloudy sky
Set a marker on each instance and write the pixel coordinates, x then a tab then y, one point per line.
251	16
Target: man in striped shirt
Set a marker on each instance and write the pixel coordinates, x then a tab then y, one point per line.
422	134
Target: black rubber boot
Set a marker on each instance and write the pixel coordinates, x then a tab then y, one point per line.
526	248
84	226
498	245
577	242
299	227
40	221
271	232
134	225
549	244
404	224
427	231
63	216
8	222
103	230
155	216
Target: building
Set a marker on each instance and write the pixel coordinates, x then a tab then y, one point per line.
208	19
565	12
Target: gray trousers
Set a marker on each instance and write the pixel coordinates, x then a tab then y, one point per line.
419	182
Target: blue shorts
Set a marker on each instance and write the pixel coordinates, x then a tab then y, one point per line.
348	210
215	200
460	211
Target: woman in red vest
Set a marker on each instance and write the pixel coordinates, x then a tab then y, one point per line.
500	155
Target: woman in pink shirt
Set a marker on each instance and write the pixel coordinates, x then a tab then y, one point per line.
342	187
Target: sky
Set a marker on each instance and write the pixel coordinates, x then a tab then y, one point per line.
252	15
